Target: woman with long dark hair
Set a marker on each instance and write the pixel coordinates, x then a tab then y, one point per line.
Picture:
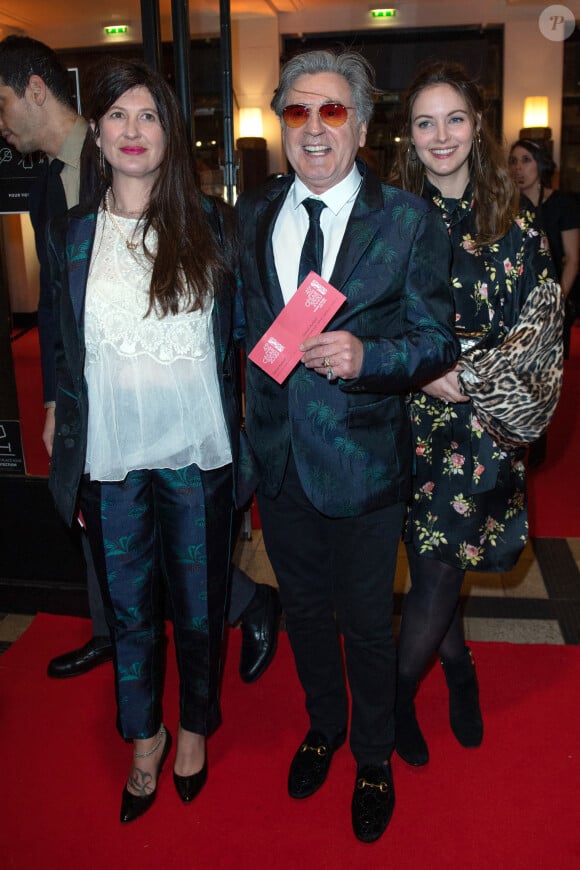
557	213
468	510
148	413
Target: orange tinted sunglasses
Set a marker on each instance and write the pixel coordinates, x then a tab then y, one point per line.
331	114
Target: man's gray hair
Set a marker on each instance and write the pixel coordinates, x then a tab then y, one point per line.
355	68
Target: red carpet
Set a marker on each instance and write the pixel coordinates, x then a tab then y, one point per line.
26	356
513	803
554	508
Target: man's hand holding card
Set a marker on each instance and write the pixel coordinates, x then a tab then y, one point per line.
307	313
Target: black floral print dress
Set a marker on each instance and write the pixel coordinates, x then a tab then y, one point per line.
469	505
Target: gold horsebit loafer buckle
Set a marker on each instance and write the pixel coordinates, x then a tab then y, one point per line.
363	783
320	750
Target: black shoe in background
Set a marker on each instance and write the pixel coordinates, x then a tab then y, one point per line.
80	661
259	624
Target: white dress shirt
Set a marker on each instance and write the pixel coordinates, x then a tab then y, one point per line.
292	225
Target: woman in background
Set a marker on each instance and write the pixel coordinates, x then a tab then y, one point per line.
556	212
148	413
558	215
469	497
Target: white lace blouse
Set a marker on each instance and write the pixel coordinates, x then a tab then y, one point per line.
154	399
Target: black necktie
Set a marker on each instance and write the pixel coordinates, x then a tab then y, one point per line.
49	201
50	194
311	256
55	195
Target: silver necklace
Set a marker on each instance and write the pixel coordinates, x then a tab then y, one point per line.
138	213
131	244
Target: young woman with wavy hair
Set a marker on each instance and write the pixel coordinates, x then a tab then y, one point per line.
468	510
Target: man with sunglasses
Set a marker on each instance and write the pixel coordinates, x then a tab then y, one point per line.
333	441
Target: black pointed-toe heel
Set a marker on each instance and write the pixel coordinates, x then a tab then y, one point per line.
132	805
188	787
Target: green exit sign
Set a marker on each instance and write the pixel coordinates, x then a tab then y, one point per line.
383	13
115	29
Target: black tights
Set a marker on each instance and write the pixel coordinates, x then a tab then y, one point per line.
431	619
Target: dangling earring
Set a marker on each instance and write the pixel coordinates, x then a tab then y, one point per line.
101	162
477	162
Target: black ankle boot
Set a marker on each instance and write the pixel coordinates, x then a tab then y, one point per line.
409	741
464	713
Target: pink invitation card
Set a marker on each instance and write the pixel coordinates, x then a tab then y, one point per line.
307	313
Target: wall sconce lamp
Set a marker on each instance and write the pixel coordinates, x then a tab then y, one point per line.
535	119
252	149
251	123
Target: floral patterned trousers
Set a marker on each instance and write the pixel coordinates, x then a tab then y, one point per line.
172	526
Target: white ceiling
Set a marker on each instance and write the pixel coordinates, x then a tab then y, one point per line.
38	17
58	23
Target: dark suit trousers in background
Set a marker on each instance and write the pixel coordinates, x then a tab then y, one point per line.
48	200
345	566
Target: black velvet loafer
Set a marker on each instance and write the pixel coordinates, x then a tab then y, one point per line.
373	801
311	763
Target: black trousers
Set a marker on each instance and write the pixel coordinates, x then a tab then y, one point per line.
336	575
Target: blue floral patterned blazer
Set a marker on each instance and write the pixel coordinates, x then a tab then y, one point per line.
70	242
351	439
